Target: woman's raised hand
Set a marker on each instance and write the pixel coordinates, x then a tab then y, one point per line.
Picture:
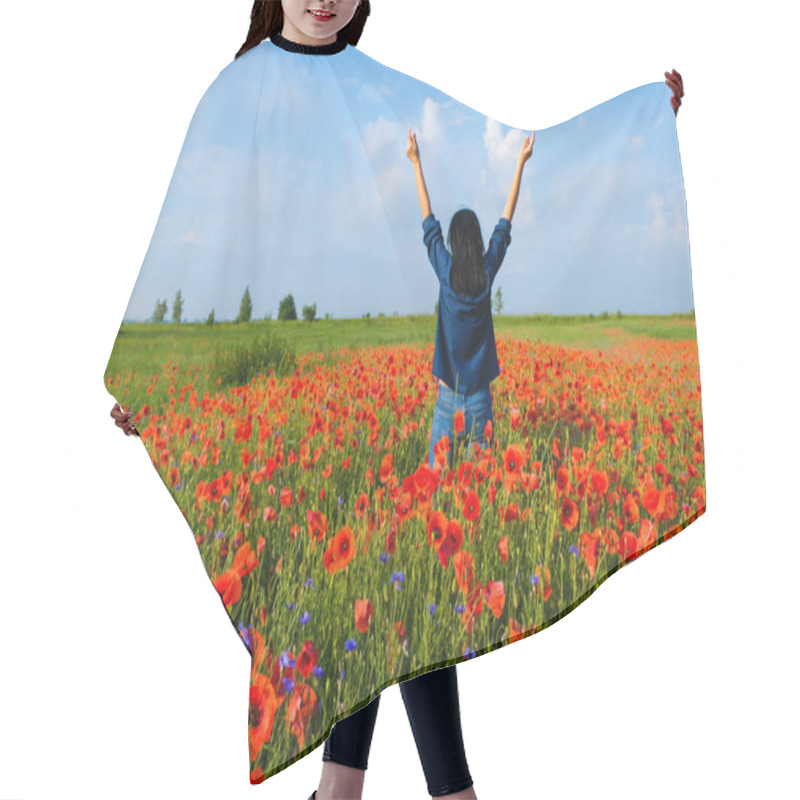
675	82
122	419
412	151
527	147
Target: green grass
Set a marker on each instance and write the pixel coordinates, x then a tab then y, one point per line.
584	330
155	344
244	349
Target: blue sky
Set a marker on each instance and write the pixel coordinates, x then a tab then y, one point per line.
293	177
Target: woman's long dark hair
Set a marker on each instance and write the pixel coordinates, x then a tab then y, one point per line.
266	18
468	271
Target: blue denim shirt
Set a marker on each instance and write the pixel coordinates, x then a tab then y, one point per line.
465	346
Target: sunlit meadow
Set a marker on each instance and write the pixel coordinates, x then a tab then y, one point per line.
324	530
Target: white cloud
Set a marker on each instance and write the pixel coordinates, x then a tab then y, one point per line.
190	237
636	143
204	172
367	92
502	149
667	216
392	180
656	205
378	134
458	112
524	213
432	125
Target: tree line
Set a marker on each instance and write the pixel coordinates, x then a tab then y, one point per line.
287	310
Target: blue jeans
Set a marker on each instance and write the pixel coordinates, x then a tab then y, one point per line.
477	408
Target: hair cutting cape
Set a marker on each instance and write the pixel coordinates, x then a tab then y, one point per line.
278	347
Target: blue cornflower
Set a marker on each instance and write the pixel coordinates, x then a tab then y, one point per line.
384	557
469	653
318	671
574	550
288	684
247	634
285	661
350	644
397	578
304	617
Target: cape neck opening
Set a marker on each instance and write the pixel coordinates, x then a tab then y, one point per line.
309	49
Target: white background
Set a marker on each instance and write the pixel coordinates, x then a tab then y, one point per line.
121	674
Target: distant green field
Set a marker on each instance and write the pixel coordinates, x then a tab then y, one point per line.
147	347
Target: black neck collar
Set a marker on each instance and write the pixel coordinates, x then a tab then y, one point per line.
310	49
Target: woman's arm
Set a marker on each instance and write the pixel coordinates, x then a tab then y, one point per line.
422	191
412	151
524	155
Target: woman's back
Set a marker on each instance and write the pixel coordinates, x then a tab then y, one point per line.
465	355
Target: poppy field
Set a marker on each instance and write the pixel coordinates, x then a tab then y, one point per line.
346	563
